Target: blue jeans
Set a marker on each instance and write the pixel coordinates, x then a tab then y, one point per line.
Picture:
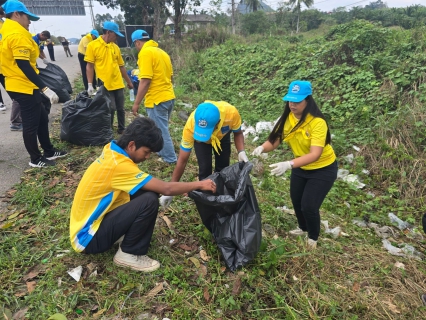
161	114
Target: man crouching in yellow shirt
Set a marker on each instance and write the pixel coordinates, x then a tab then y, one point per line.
117	202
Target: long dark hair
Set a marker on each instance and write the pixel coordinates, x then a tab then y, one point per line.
311	107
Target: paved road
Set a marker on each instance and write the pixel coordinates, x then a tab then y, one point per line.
13	156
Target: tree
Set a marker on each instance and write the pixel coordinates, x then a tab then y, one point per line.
297	4
143	12
179	7
253	5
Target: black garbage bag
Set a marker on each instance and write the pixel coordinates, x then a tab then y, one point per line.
55	82
232	215
87	121
55	69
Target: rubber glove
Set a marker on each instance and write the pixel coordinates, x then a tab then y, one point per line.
51	95
242	156
90	89
165	201
258	151
280	168
45	61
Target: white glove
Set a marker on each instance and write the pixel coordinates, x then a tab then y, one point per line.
242	156
90	89
45	61
280	168
258	151
51	95
165	201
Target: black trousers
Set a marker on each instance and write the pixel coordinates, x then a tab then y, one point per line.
35	123
204	151
83	65
51	54
308	189
135	220
2	83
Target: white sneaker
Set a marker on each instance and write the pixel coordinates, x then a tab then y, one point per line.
2	106
139	263
311	244
297	232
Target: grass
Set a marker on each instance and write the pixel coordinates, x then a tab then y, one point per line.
349	277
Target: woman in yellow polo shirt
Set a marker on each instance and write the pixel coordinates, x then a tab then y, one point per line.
314	168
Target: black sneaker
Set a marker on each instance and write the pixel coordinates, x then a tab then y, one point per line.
42	163
55	154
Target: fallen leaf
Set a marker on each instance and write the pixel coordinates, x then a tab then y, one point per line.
195	261
185	247
34	272
391	306
206	294
399	265
356	286
203	270
20	315
204	256
167	221
164	231
31	286
20	293
57	316
236	287
98	314
14	215
155	290
7	314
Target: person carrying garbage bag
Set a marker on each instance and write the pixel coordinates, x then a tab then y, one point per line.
208	130
24	85
314	169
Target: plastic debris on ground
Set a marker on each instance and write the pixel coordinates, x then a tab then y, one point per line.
353	179
264	126
349	158
356	148
407	250
335	232
285	209
76	273
402	225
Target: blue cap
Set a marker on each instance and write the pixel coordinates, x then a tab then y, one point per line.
298	91
206	118
16	6
112	26
140	35
95	33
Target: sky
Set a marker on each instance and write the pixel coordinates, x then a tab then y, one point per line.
75	26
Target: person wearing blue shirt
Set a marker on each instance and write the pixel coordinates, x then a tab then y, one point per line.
40	38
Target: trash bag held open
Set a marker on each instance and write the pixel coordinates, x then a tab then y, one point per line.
232	215
55	83
87	121
55	69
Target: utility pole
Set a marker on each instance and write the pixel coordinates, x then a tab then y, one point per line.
232	16
90	5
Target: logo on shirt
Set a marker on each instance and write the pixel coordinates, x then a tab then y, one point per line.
295	89
24	52
202	123
139	175
224	129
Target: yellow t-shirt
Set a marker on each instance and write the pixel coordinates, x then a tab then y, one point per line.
313	132
105	185
155	64
230	119
82	46
1	25
107	60
17	43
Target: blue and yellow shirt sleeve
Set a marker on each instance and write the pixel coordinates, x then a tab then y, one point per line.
187	142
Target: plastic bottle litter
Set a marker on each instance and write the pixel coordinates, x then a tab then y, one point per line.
131	95
402	225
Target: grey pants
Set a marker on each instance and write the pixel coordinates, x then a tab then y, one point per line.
15	114
117	103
